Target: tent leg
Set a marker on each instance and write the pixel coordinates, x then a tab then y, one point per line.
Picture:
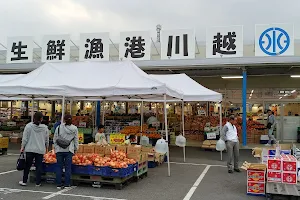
182	115
166	129
32	110
221	125
142	120
62	109
221	152
103	113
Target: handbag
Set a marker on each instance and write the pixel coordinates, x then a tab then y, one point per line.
269	125
21	163
62	142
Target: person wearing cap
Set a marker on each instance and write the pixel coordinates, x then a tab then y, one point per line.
64	156
35	143
230	136
100	136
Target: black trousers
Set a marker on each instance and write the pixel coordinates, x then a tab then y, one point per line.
38	158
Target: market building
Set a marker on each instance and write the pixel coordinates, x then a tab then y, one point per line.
250	78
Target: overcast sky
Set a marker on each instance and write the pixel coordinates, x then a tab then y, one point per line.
40	17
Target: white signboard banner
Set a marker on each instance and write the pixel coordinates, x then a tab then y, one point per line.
178	44
274	40
224	41
94	47
19	50
135	45
56	48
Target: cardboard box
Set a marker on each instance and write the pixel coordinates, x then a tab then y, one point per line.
256	188
255	175
289	178
122	148
99	149
274	176
274	164
15	140
89	149
4	142
289	163
134	149
80	148
109	149
151	157
148	149
137	157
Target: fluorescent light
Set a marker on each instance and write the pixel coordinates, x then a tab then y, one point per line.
231	77
252	91
280	97
251	95
286	95
293	91
295	76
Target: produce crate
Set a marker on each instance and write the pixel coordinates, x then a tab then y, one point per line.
99	171
152	164
85	170
50	167
120	172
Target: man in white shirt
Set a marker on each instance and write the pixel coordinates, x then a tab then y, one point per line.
230	136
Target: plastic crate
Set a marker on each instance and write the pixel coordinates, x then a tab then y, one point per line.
50	167
121	173
100	171
84	170
152	164
133	167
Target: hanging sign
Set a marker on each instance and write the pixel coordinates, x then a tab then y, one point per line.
117	138
211	135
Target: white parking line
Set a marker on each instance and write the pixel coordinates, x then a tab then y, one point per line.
11	171
196	184
58	193
9	190
197	164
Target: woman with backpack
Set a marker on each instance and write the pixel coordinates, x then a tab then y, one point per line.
66	144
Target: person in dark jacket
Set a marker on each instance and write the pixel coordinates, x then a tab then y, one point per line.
35	143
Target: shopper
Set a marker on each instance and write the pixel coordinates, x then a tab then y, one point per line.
100	136
68	133
78	113
230	136
35	143
271	122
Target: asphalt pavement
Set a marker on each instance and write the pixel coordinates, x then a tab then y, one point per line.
203	176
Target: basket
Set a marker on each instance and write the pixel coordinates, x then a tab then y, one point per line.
121	173
152	164
100	171
50	167
84	170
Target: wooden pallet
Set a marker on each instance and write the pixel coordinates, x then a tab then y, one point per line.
279	191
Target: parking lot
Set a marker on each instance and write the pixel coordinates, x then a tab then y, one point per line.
203	176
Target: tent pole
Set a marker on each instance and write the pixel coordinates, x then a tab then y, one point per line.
166	129
32	110
142	119
62	109
71	103
103	112
182	115
221	126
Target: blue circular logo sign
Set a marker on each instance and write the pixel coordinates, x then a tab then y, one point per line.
274	41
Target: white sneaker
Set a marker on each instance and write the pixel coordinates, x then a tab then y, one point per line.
38	185
267	145
22	184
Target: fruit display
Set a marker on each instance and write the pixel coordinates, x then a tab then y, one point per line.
117	159
136	130
50	157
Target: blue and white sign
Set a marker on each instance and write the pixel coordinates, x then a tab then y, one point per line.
274	40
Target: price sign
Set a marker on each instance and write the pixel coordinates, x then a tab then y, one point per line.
211	135
82	124
80	137
117	138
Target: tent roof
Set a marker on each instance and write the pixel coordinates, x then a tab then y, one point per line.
8	77
102	80
192	91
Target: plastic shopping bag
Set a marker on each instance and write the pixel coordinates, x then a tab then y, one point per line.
21	162
220	146
180	141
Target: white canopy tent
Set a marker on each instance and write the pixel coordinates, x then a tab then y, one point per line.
109	81
192	91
